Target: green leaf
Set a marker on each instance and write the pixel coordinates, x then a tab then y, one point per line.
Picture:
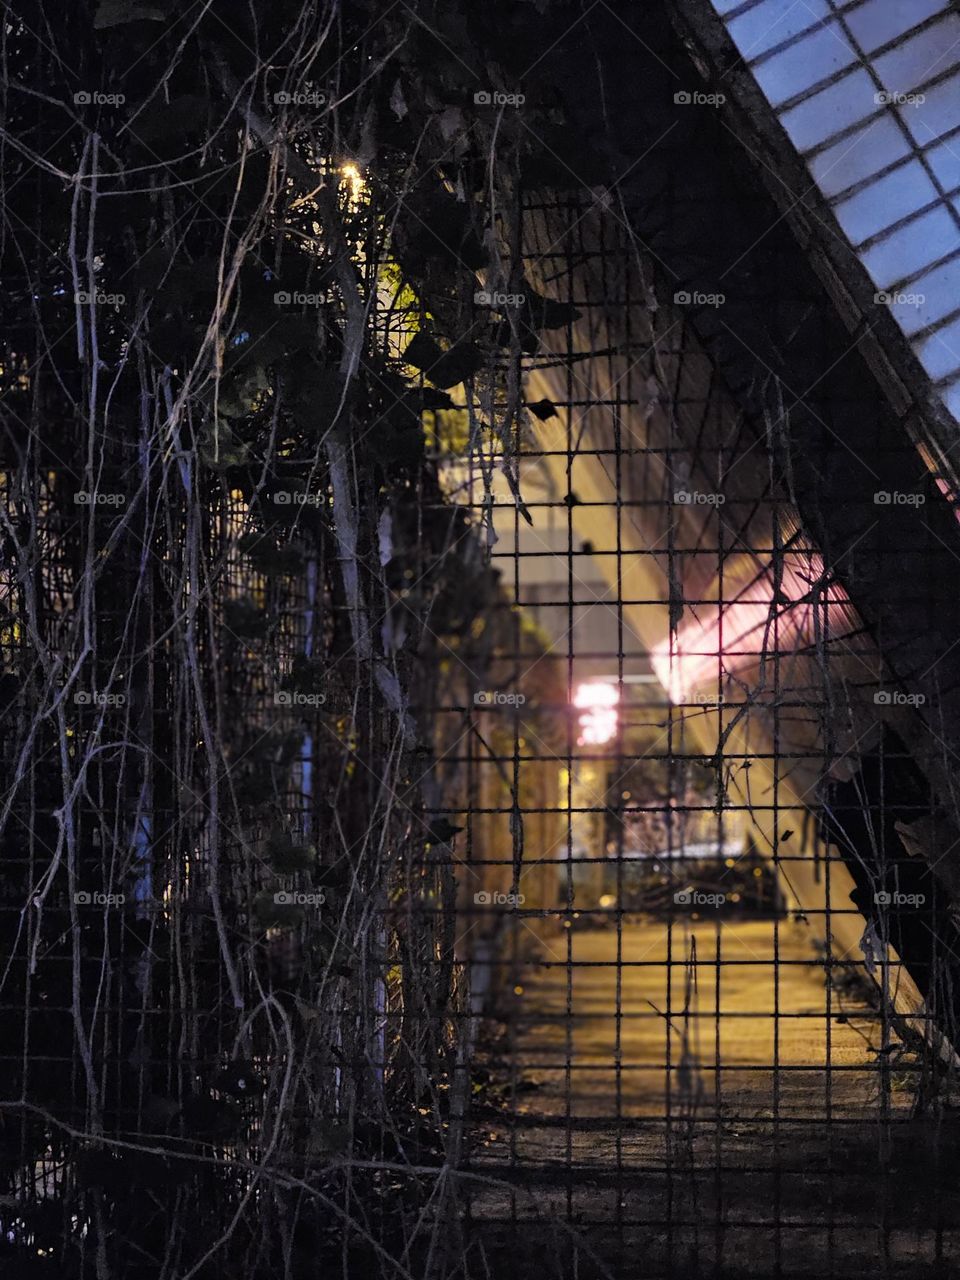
245	619
433	400
313	393
223	451
438	227
325	1138
423	352
459	363
397	446
441	831
443	368
286	857
546	313
298	506
308	675
114	13
267	558
238	395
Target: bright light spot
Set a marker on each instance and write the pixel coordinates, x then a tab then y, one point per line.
596	694
694	659
353	175
949	494
597	701
607	900
597	728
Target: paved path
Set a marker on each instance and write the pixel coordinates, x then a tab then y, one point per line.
715	1145
669	1039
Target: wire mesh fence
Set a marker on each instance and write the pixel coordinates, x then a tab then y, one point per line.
465	807
719	1038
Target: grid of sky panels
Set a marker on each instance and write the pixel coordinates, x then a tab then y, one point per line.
869	92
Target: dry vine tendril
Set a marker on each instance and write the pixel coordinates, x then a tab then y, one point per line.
234	576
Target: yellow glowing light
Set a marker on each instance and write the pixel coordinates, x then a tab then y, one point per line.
353	175
607	900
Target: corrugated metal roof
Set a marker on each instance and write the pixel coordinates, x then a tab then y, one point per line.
869	93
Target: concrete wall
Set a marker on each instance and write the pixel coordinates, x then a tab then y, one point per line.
658	408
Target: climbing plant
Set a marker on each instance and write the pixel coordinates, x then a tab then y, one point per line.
244	257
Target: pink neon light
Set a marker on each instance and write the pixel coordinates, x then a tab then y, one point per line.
597	700
948	493
747	626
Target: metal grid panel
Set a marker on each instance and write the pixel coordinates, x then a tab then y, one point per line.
691	1059
718	1086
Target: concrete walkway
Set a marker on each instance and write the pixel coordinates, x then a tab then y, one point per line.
715	1144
